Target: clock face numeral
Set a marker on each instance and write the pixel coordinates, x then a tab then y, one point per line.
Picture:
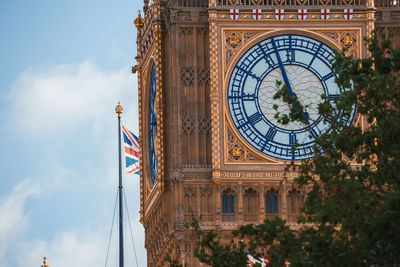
328	76
304	65
292	139
256	117
152	126
333	97
313	133
271	133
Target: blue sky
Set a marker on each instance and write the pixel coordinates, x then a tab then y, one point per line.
64	66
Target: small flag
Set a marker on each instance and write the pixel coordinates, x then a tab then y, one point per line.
348	13
234	13
252	260
302	14
279	14
131	151
257	14
325	14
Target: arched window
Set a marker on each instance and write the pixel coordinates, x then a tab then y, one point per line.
228	205
250	205
206	206
294	204
271	202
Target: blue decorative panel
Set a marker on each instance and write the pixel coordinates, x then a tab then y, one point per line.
224	204
274	204
152	125
268	204
303	64
231	204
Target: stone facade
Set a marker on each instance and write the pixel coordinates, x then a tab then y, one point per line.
205	170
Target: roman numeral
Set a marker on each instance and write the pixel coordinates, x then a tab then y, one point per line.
292	139
256	117
328	76
314	133
329	119
271	133
315	55
267	58
248	97
290	55
332	97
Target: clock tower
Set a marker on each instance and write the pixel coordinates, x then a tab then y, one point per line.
211	147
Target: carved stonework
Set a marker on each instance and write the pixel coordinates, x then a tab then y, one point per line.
203	76
191	76
196	125
346	39
187	76
234	40
290	3
237	152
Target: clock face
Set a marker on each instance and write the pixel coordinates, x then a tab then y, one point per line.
152	125
303	64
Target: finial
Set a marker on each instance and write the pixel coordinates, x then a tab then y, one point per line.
44	262
139	22
119	109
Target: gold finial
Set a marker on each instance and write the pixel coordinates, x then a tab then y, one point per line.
139	22
44	262
119	109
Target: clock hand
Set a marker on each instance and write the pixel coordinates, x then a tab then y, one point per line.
283	71
286	79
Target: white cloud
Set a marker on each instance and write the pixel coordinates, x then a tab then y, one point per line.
13	219
48	100
64	99
77	248
67	249
81	246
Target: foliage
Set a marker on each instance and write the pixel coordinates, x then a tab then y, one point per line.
351	215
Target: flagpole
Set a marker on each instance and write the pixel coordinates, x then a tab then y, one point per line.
118	110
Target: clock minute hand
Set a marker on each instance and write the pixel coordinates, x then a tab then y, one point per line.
284	74
286	79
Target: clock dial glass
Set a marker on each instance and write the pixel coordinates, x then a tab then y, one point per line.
152	125
304	65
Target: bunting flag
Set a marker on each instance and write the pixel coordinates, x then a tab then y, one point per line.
234	14
302	14
325	14
279	14
257	14
252	260
348	13
131	151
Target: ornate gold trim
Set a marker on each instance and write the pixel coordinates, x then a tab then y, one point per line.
336	39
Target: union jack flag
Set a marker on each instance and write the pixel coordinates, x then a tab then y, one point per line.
131	151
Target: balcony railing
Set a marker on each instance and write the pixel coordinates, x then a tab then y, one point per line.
271	216
226	217
207	217
294	3
250	217
193	3
293	217
387	3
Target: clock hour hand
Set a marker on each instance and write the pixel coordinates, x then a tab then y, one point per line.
286	79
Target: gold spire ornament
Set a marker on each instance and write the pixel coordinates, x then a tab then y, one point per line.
139	22
44	262
119	109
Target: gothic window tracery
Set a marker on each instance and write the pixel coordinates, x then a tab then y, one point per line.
272	202
228	205
189	205
206	204
250	205
294	204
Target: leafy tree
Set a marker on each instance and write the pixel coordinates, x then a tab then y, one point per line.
351	216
